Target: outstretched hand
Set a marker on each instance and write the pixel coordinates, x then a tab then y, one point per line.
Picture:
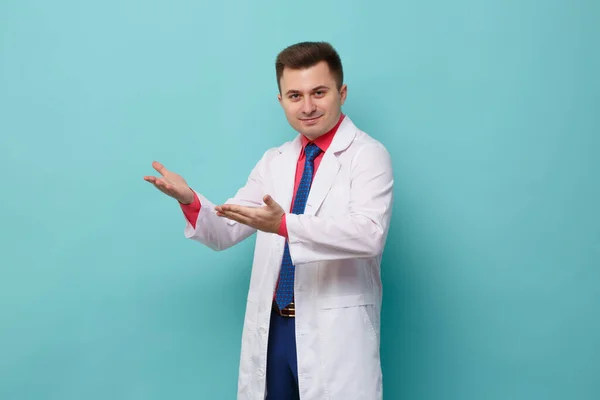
171	184
266	219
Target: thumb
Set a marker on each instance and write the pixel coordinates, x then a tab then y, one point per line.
159	168
268	200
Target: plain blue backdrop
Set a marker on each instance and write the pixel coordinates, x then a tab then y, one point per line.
490	111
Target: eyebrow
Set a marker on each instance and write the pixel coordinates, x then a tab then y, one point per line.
313	90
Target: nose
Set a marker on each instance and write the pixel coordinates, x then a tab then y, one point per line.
308	107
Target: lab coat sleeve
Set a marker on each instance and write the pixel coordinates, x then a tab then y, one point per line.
220	233
360	234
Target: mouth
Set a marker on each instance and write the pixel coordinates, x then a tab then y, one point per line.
310	121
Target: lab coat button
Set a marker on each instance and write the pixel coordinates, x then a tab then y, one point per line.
261	372
262	330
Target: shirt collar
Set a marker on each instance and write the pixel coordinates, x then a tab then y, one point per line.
324	140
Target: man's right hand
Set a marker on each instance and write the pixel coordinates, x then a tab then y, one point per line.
171	184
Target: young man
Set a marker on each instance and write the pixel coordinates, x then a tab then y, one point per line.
321	204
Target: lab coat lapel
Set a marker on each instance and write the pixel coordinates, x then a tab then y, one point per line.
329	167
284	167
328	170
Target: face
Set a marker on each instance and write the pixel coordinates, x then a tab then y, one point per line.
310	99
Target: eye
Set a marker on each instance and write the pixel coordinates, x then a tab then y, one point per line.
294	96
320	93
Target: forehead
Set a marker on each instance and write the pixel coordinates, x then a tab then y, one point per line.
307	78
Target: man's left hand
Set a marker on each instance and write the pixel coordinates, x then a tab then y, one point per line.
266	219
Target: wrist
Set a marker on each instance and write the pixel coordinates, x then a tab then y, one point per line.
282	227
278	224
188	198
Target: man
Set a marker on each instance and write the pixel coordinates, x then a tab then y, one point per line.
321	205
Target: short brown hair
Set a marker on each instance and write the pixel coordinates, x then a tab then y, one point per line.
308	54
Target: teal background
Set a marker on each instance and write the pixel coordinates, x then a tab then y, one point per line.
489	109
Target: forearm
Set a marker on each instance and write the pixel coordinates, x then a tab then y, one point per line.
313	238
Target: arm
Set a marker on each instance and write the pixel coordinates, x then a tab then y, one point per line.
220	233
362	233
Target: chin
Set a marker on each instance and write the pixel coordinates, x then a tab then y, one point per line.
312	130
312	134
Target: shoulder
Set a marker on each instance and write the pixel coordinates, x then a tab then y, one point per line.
273	153
364	140
357	139
367	150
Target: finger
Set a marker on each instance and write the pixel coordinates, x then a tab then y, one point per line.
249	212
159	168
162	185
159	182
227	207
154	180
237	217
230	207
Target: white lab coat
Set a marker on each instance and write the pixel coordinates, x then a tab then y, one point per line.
336	246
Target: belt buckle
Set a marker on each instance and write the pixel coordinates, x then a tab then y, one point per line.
288	312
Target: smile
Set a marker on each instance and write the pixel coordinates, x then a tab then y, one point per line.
310	120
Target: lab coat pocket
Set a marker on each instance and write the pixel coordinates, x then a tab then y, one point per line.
371	319
349	300
361	305
346	331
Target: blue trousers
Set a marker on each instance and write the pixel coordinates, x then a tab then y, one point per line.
282	365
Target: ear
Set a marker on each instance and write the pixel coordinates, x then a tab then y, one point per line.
343	93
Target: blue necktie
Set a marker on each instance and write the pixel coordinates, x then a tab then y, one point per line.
285	289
